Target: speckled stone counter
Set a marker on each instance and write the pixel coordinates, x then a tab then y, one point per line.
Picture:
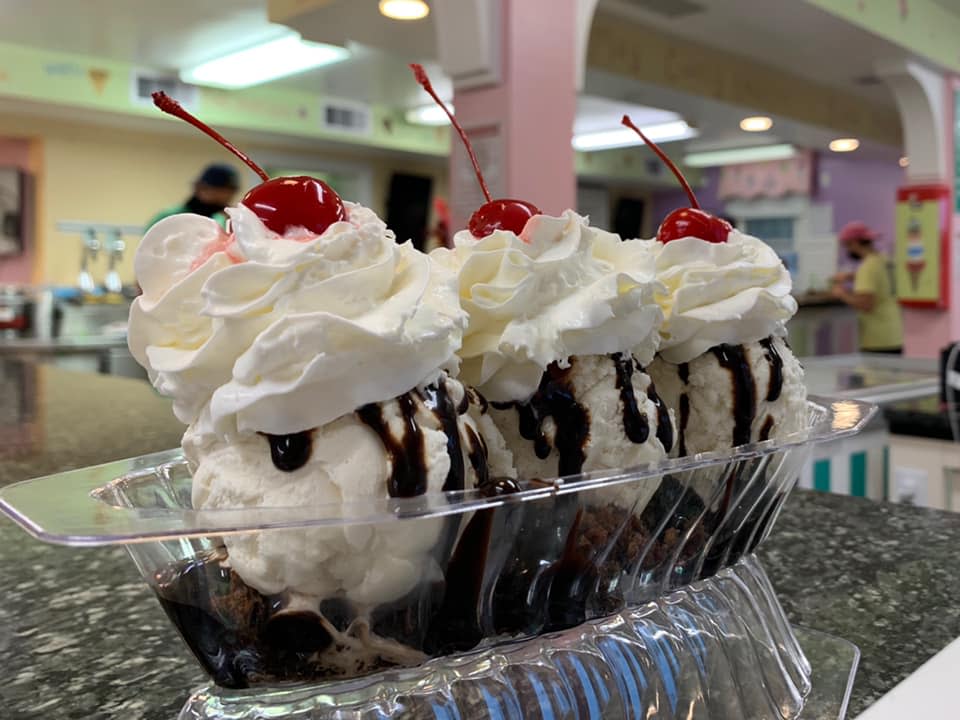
82	637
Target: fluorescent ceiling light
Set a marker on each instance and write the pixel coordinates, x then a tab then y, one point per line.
431	114
844	144
404	9
625	137
734	156
286	55
757	123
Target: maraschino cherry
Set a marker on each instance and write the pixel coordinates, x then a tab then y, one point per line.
684	222
280	203
504	214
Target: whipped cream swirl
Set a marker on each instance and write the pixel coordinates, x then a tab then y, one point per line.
257	332
733	292
560	289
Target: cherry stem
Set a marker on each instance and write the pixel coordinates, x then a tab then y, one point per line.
421	75
666	161
172	107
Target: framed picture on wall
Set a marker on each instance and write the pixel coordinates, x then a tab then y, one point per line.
11	211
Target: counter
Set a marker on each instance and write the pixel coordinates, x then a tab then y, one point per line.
82	637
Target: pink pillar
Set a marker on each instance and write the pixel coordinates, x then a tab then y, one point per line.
522	126
925	332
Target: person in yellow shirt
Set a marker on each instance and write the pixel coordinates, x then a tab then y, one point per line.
872	296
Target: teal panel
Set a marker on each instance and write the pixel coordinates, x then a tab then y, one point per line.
821	475
858	474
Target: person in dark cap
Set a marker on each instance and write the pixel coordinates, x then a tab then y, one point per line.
212	192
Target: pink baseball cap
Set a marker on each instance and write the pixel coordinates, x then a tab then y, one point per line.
856	230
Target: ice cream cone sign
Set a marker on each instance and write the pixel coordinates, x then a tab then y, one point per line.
916	254
921	250
98	78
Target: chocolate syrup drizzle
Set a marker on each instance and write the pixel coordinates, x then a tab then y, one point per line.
683	371
555	398
635	423
408	477
437	400
776	369
290	452
664	428
767	427
734	359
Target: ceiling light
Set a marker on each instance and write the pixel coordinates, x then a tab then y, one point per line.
428	115
757	123
624	137
261	63
404	9
736	156
844	144
904	161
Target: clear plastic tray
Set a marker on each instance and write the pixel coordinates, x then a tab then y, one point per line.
718	649
490	570
147	498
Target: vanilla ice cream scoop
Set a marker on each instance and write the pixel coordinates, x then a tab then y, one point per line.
421	442
724	366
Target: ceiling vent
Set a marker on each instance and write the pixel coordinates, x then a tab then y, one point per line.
346	116
146	83
672	9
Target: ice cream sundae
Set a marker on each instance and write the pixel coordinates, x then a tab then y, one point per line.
311	357
562	323
723	365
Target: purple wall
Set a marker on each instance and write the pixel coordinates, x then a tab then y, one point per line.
858	189
863	190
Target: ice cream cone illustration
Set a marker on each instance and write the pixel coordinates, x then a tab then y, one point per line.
916	260
99	79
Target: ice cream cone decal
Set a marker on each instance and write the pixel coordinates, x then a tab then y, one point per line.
98	78
916	261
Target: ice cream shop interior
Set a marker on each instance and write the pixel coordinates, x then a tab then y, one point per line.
480	359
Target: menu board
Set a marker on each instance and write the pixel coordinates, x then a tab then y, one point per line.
921	257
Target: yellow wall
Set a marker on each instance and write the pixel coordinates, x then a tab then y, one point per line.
103	174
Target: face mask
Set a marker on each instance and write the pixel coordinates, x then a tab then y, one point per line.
203	208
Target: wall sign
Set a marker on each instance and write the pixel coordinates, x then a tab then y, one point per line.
922	247
768	179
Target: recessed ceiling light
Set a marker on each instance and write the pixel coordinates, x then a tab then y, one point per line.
428	115
286	55
904	161
624	137
844	144
756	123
736	156
404	9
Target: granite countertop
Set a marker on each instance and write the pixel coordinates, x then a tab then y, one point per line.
82	637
